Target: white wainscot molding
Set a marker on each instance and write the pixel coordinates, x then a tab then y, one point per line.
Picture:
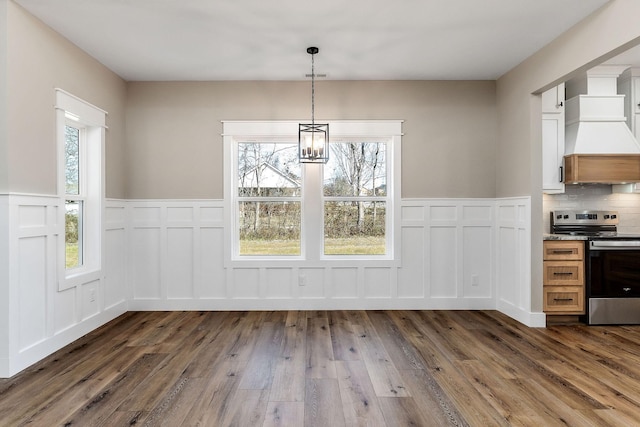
169	255
40	318
176	262
513	260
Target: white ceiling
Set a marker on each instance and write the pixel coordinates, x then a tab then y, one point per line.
267	39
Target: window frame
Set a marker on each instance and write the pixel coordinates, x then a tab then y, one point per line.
312	208
91	120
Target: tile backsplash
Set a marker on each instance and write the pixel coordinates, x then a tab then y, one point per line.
596	197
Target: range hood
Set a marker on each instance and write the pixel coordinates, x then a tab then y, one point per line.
599	146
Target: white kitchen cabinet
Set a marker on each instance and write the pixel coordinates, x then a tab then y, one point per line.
553	100
553	139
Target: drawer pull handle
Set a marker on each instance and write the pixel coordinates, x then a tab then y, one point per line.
562	273
563	299
562	251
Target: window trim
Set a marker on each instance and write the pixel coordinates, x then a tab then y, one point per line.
312	253
92	121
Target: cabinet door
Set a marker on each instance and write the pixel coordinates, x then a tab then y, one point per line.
553	100
552	152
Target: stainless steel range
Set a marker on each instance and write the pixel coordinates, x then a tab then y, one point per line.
612	265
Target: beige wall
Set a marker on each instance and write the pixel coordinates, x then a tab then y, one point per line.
4	163
603	35
174	147
40	60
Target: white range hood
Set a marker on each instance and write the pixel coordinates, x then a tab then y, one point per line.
594	115
599	146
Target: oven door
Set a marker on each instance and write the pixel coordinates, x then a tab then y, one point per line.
613	282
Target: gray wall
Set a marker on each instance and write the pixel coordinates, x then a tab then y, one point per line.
38	61
174	147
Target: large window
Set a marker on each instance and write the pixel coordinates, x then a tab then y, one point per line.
80	134
281	209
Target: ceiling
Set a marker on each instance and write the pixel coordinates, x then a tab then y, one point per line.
158	40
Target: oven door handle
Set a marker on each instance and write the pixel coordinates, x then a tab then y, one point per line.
614	244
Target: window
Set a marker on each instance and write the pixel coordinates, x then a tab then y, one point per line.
80	128
279	209
355	198
74	197
268	198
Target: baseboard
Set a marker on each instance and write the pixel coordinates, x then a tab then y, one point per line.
527	318
248	304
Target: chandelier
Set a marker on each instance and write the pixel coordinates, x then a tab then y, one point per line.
313	138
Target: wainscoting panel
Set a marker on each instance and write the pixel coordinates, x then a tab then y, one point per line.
345	282
279	282
211	281
115	280
477	261
176	251
443	262
180	262
513	260
411	276
246	283
32	286
40	318
146	262
169	255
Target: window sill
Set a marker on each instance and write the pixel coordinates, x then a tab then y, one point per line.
340	261
79	278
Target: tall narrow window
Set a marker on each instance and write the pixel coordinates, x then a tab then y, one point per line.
74	199
80	134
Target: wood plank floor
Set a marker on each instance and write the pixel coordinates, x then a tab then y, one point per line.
335	368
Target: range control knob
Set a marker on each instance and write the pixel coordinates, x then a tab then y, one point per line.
566	217
606	217
614	216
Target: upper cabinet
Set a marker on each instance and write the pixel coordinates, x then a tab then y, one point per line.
553	100
553	139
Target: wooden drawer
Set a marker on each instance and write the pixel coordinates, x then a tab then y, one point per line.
563	273
563	250
564	299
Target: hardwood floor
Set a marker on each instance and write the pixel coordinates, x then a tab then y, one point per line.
337	368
